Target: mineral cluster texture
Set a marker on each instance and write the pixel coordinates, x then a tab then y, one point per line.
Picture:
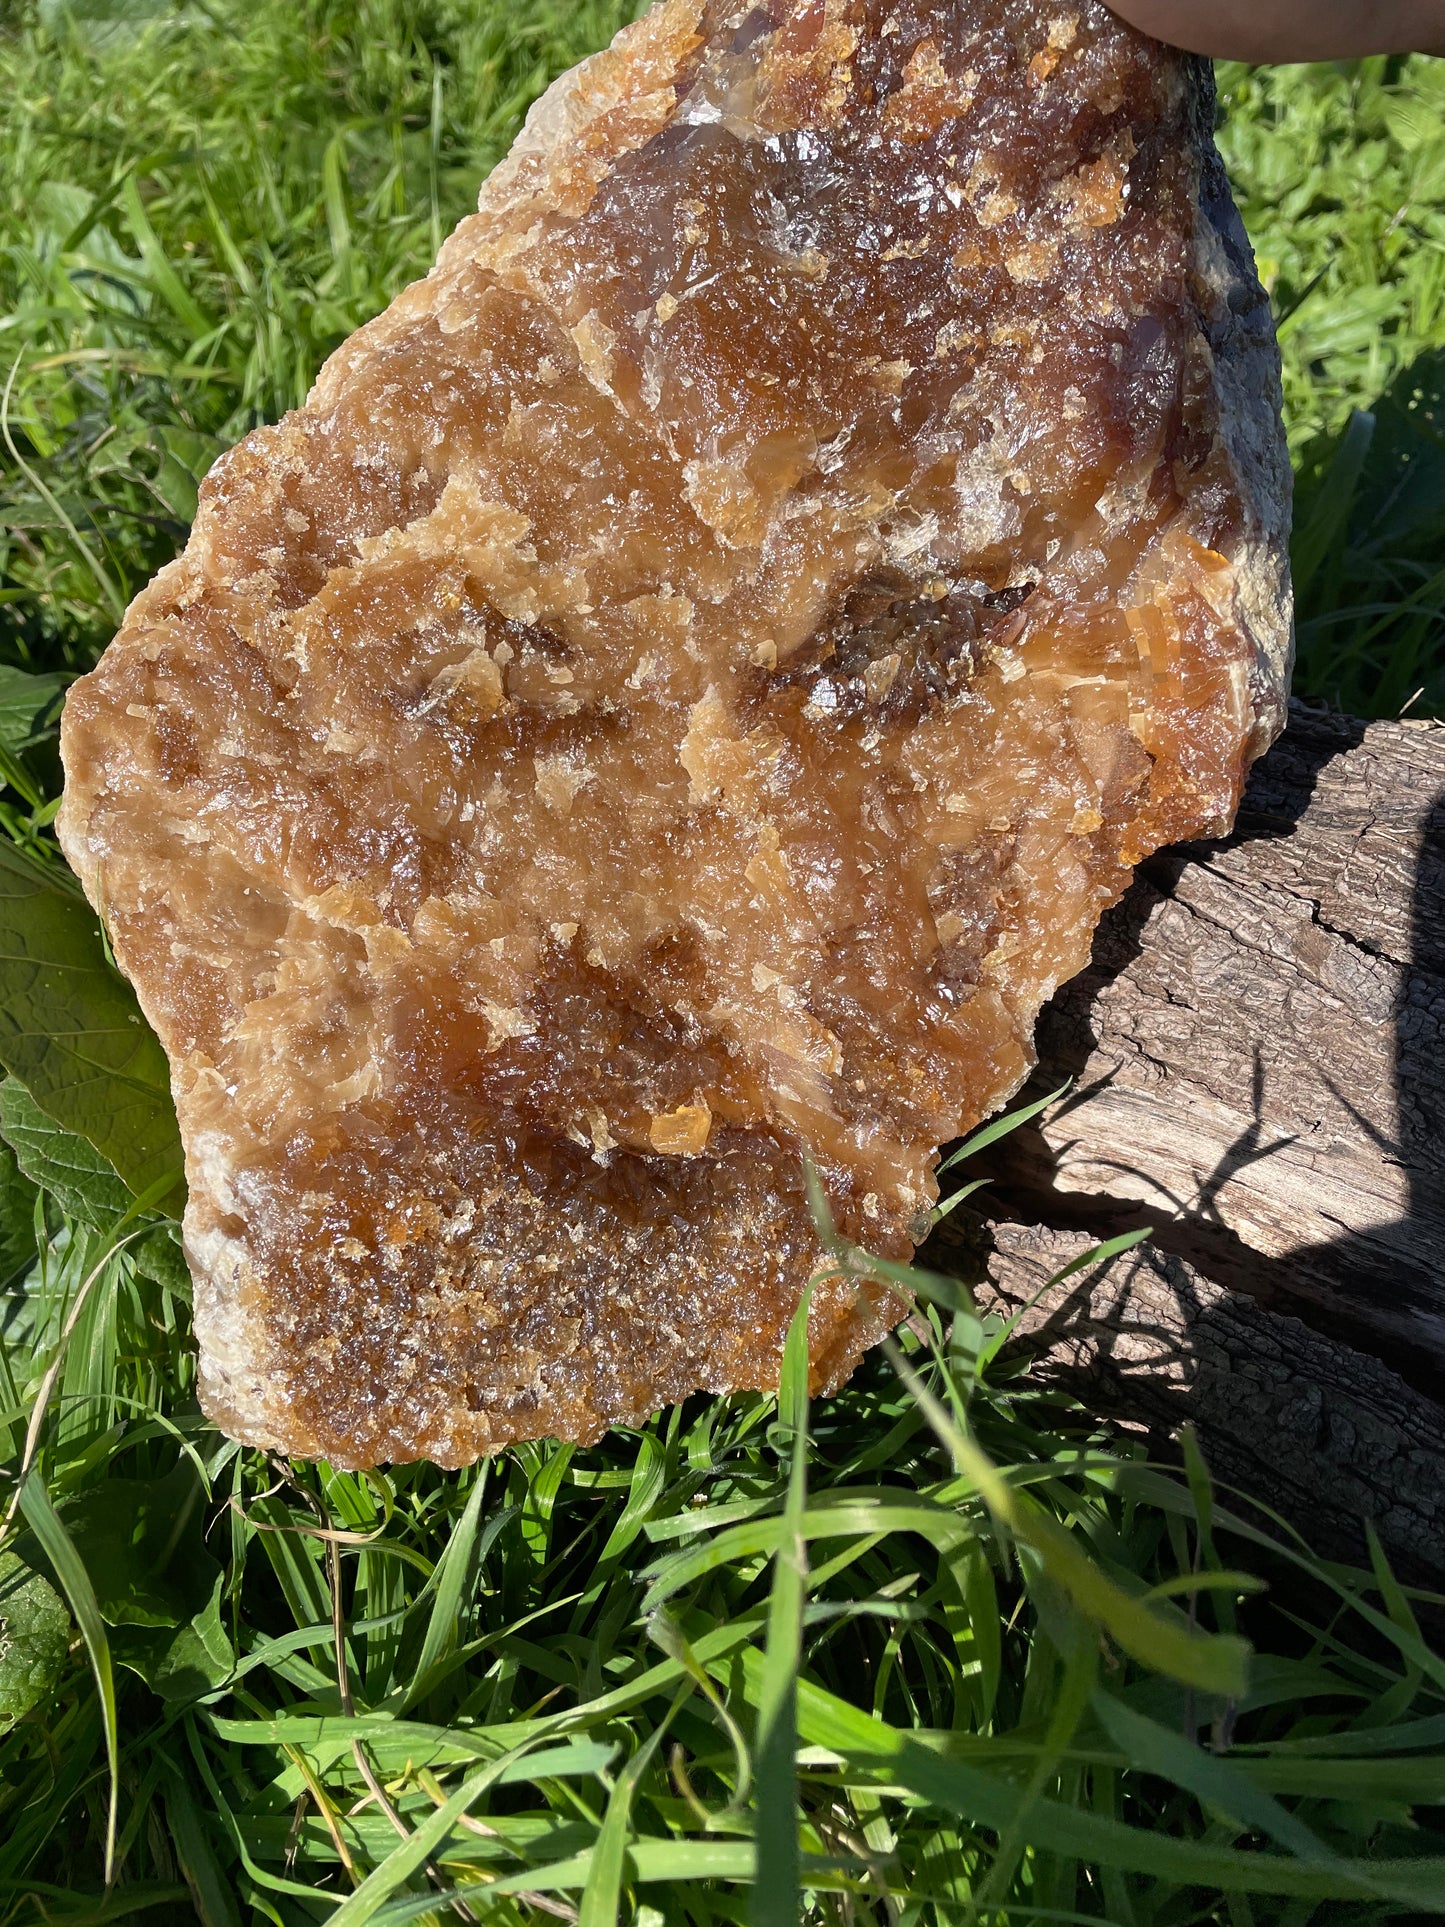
675	702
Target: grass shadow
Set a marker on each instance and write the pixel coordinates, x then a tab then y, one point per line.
1369	552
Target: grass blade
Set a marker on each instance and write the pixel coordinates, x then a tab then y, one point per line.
451	1578
210	1891
776	1898
412	1855
164	279
1000	1127
1156	1636
602	1896
46	1524
1153	1748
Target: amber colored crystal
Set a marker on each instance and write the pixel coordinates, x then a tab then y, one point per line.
676	701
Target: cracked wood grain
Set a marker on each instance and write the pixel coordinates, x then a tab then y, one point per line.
1323	1435
1257	1051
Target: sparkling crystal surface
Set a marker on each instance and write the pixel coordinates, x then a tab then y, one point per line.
677	699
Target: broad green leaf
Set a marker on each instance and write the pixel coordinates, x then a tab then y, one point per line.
34	1638
84	1184
25	701
17	1217
1413	123
72	1032
172	460
143	1544
186	1663
158	1256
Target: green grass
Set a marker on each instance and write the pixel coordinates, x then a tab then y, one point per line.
192	220
1340	174
941	1650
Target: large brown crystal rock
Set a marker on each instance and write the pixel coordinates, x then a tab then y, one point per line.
678	698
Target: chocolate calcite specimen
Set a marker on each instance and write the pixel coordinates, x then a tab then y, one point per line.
676	701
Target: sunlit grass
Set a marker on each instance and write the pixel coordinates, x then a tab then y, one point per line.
1340	172
1020	1671
190	220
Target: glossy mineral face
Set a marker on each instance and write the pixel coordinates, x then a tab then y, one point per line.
675	702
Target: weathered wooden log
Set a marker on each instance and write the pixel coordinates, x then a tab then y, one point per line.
1258	1063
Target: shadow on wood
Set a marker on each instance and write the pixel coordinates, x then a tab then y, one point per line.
1257	1049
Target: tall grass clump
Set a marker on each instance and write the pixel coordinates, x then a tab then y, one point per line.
1340	173
196	205
938	1650
942	1651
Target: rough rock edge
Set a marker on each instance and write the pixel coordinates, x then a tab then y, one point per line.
1239	326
